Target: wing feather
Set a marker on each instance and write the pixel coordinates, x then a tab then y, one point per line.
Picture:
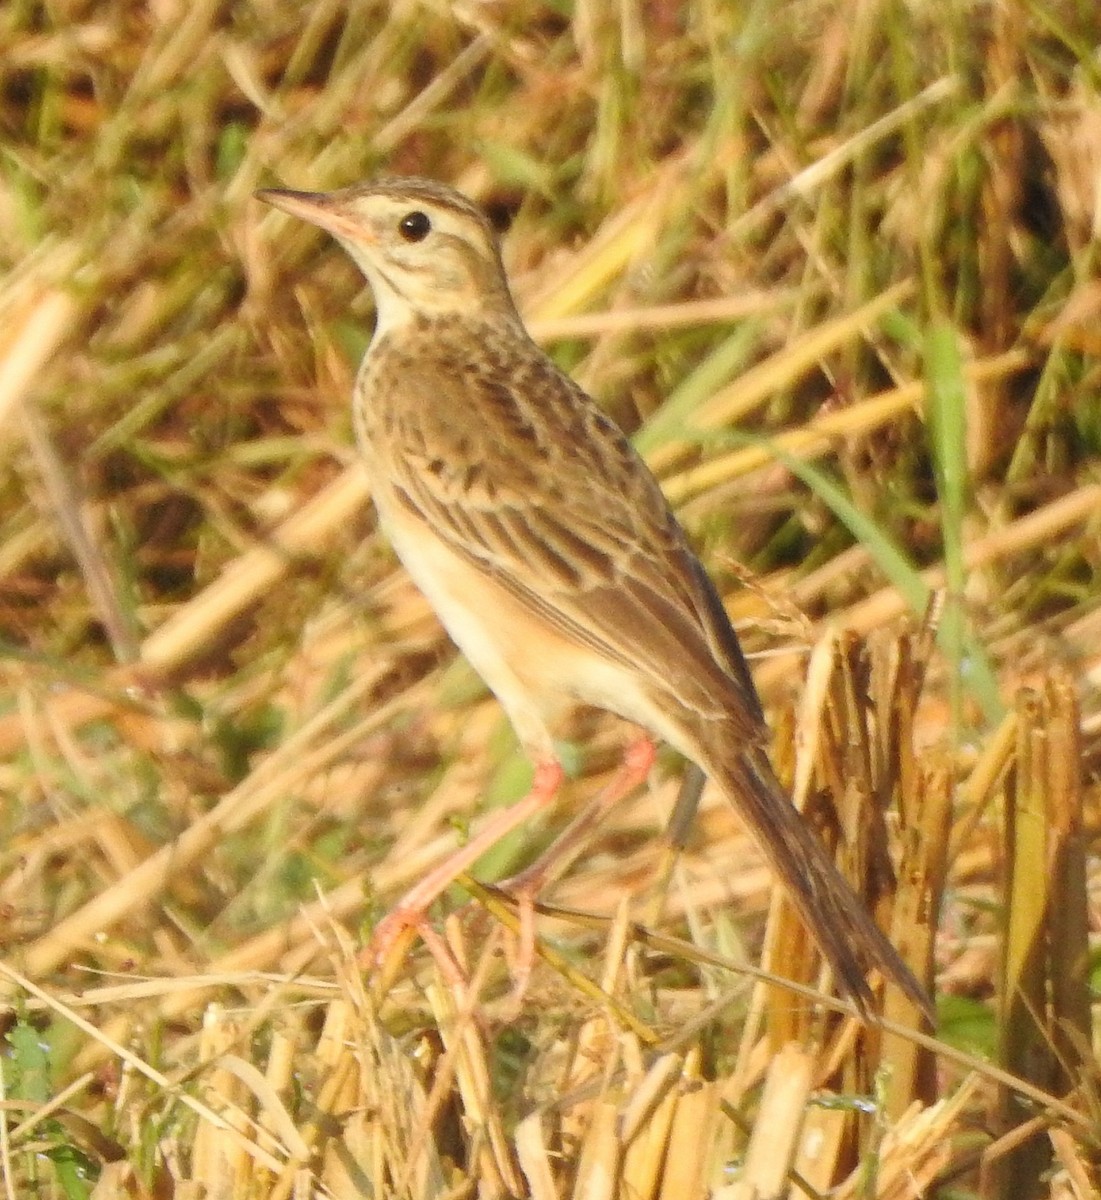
577	528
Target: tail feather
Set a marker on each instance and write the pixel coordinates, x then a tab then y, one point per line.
838	919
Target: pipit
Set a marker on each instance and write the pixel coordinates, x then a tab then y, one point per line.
547	548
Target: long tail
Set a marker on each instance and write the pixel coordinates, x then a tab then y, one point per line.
838	919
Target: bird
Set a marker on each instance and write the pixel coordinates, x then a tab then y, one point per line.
548	550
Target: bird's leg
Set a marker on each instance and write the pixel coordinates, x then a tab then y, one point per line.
632	772
409	912
525	886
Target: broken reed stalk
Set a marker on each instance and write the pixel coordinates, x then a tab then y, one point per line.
1044	1025
856	727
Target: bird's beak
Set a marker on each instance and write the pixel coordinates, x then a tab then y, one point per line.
327	210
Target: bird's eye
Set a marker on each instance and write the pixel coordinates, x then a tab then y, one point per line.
414	226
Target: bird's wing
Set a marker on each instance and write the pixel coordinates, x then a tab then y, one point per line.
532	484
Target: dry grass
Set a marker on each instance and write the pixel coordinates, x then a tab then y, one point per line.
837	268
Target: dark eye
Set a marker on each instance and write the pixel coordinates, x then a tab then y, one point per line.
414	226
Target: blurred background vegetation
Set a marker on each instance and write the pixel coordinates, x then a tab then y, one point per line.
834	266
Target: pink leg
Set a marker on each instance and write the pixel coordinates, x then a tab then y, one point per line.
636	766
525	886
409	912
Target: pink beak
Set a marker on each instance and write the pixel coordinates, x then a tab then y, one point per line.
323	209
